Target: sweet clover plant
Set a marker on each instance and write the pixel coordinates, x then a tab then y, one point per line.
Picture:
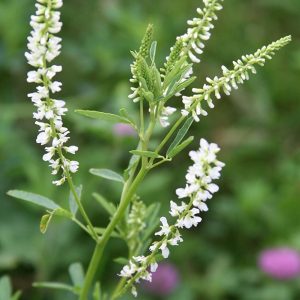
154	90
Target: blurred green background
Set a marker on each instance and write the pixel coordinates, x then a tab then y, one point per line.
257	128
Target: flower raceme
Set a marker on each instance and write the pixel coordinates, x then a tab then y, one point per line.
230	79
199	30
199	188
44	46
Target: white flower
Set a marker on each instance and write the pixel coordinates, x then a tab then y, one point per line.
71	149
176	239
153	267
164	118
165	228
73	166
128	270
164	250
176	210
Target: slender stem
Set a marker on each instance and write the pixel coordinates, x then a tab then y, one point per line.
81	209
94	263
80	225
169	134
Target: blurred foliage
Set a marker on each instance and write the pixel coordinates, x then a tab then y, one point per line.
257	128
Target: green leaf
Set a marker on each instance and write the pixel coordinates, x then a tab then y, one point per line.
145	153
153	51
174	72
180	147
175	85
5	288
101	230
134	160
45	221
157	88
124	113
121	260
55	285
103	116
72	202
97	291
77	274
34	198
108	206
181	134
63	213
180	87
16	295
152	220
107	174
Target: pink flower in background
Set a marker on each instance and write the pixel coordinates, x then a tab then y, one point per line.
280	263
121	129
164	280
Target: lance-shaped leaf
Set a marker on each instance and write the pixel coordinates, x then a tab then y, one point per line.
107	174
180	147
77	274
151	219
108	206
55	286
146	153
152	52
121	260
181	134
72	202
5	288
101	231
34	198
103	116
97	291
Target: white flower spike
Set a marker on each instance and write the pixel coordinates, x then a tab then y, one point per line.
198	189
43	47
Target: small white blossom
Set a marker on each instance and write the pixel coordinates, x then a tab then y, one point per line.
165	228
164	118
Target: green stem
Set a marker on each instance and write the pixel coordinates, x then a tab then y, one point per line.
94	263
169	134
81	208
